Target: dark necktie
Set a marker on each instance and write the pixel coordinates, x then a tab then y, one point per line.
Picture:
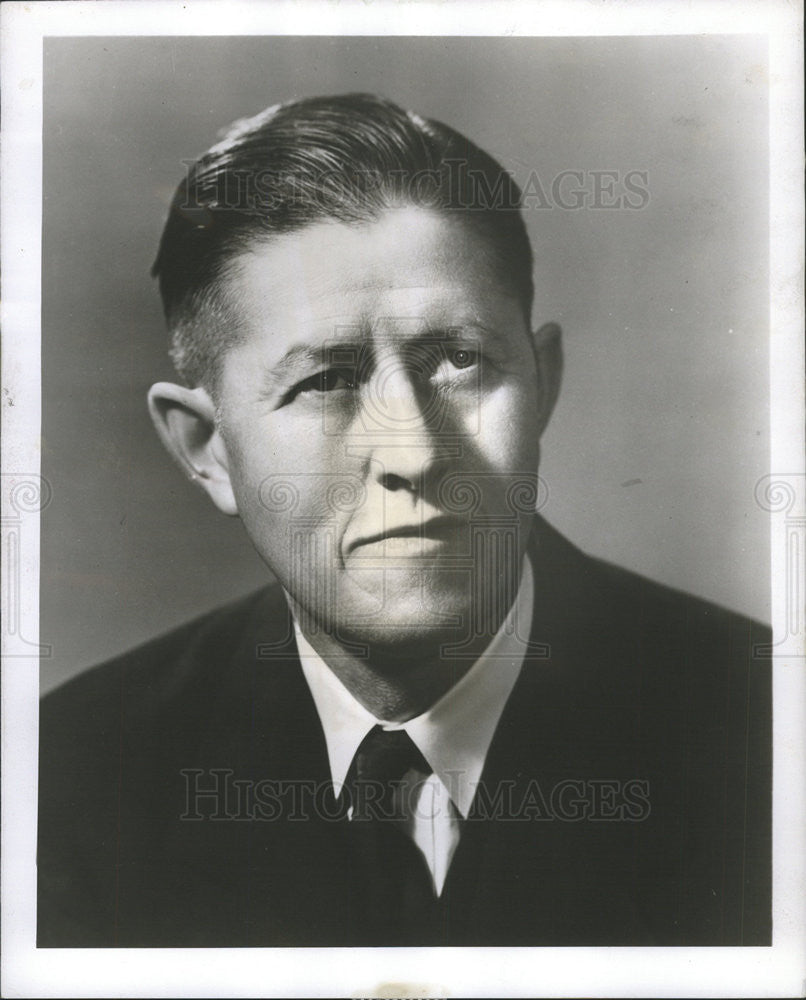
374	781
397	882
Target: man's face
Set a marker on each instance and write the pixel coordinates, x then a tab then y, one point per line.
380	419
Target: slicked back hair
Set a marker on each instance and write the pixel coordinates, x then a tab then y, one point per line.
347	158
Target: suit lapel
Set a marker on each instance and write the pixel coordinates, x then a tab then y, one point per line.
514	869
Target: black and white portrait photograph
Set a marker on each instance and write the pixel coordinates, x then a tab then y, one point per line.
403	500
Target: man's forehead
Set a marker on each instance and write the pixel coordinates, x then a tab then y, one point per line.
389	332
315	286
328	268
303	328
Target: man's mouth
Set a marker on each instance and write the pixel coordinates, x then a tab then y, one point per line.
422	538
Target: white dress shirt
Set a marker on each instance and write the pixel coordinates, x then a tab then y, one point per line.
454	735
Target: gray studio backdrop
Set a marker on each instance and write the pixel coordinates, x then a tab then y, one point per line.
662	429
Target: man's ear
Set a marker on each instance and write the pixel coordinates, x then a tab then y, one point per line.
185	422
547	342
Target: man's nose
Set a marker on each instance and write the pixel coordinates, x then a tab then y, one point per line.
402	422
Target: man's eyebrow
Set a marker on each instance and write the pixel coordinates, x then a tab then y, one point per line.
302	357
470	331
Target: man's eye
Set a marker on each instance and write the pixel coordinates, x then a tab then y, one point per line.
456	367
463	357
327	381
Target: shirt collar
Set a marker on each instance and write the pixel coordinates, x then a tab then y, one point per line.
454	735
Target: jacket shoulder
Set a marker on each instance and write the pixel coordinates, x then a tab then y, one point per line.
622	599
634	587
171	659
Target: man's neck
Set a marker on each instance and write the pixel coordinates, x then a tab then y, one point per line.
396	685
399	681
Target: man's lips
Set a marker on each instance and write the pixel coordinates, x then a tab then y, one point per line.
435	529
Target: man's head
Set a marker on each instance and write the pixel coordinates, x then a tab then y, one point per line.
331	159
349	288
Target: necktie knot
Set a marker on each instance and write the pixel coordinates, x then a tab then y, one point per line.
383	759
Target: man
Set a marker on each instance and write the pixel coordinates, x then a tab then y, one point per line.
443	725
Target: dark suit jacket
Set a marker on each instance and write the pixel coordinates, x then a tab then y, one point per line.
626	793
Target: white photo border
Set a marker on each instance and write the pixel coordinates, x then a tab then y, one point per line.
775	971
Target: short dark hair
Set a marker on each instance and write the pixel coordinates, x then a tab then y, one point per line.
346	158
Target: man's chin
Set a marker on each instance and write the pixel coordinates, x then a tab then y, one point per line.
398	648
412	611
409	617
407	597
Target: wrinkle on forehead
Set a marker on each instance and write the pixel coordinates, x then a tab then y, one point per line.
332	259
409	273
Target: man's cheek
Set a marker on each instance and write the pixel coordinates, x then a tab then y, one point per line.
508	442
293	508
